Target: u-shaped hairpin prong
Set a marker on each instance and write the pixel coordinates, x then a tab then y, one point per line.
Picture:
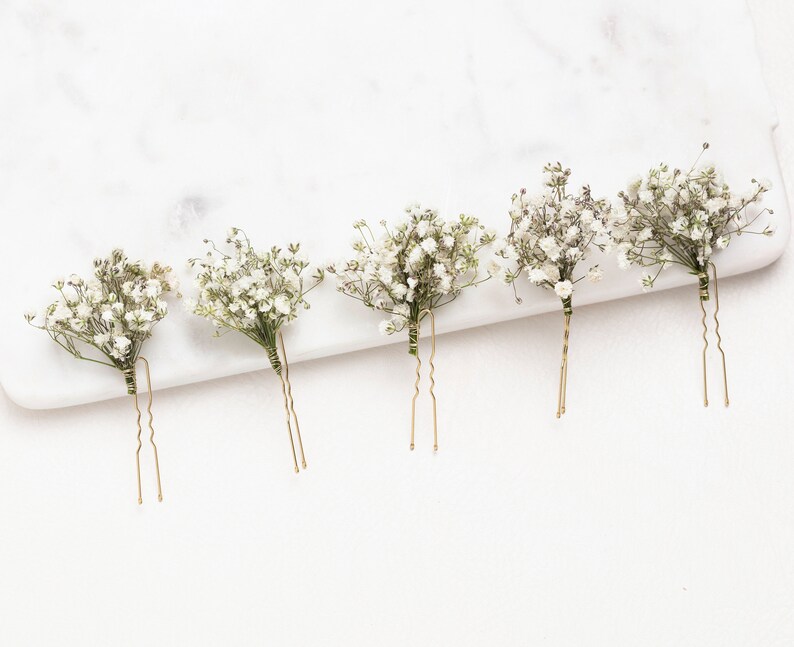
705	348
563	388
719	337
426	311
130	376
275	361
290	399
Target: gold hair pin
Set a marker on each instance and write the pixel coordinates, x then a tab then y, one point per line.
550	234
409	271
111	316
257	293
670	216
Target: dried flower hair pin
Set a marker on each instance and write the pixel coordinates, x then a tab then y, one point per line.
256	293
550	234
413	268
670	216
111	316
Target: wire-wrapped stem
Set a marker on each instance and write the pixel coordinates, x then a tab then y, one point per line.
130	380
703	285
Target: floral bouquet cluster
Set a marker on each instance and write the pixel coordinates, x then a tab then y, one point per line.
110	316
421	264
670	216
418	265
410	269
550	235
256	293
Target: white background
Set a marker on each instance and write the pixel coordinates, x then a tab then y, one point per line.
640	519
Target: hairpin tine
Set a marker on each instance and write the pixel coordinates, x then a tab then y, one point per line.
132	388
705	342
289	396
429	312
129	376
151	425
564	365
719	337
275	361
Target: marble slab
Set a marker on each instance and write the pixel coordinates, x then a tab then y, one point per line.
153	125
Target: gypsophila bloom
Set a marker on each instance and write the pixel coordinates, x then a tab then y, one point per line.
551	233
113	313
253	292
673	216
422	263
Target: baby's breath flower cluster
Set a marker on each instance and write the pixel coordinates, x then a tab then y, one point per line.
253	292
420	264
114	312
551	233
674	216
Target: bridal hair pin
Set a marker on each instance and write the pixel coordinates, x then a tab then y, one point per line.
671	216
408	272
549	235
111	316
257	293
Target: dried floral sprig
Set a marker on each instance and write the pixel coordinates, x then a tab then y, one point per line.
415	267
550	235
675	217
109	317
113	313
256	293
670	216
421	264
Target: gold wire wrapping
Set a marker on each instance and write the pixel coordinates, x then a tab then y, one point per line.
151	429
563	388
431	377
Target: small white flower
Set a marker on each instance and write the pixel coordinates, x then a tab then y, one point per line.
564	289
61	313
429	245
595	274
415	255
153	288
282	305
537	276
386	327
121	343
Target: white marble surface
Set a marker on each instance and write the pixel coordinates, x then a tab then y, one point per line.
640	518
155	125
